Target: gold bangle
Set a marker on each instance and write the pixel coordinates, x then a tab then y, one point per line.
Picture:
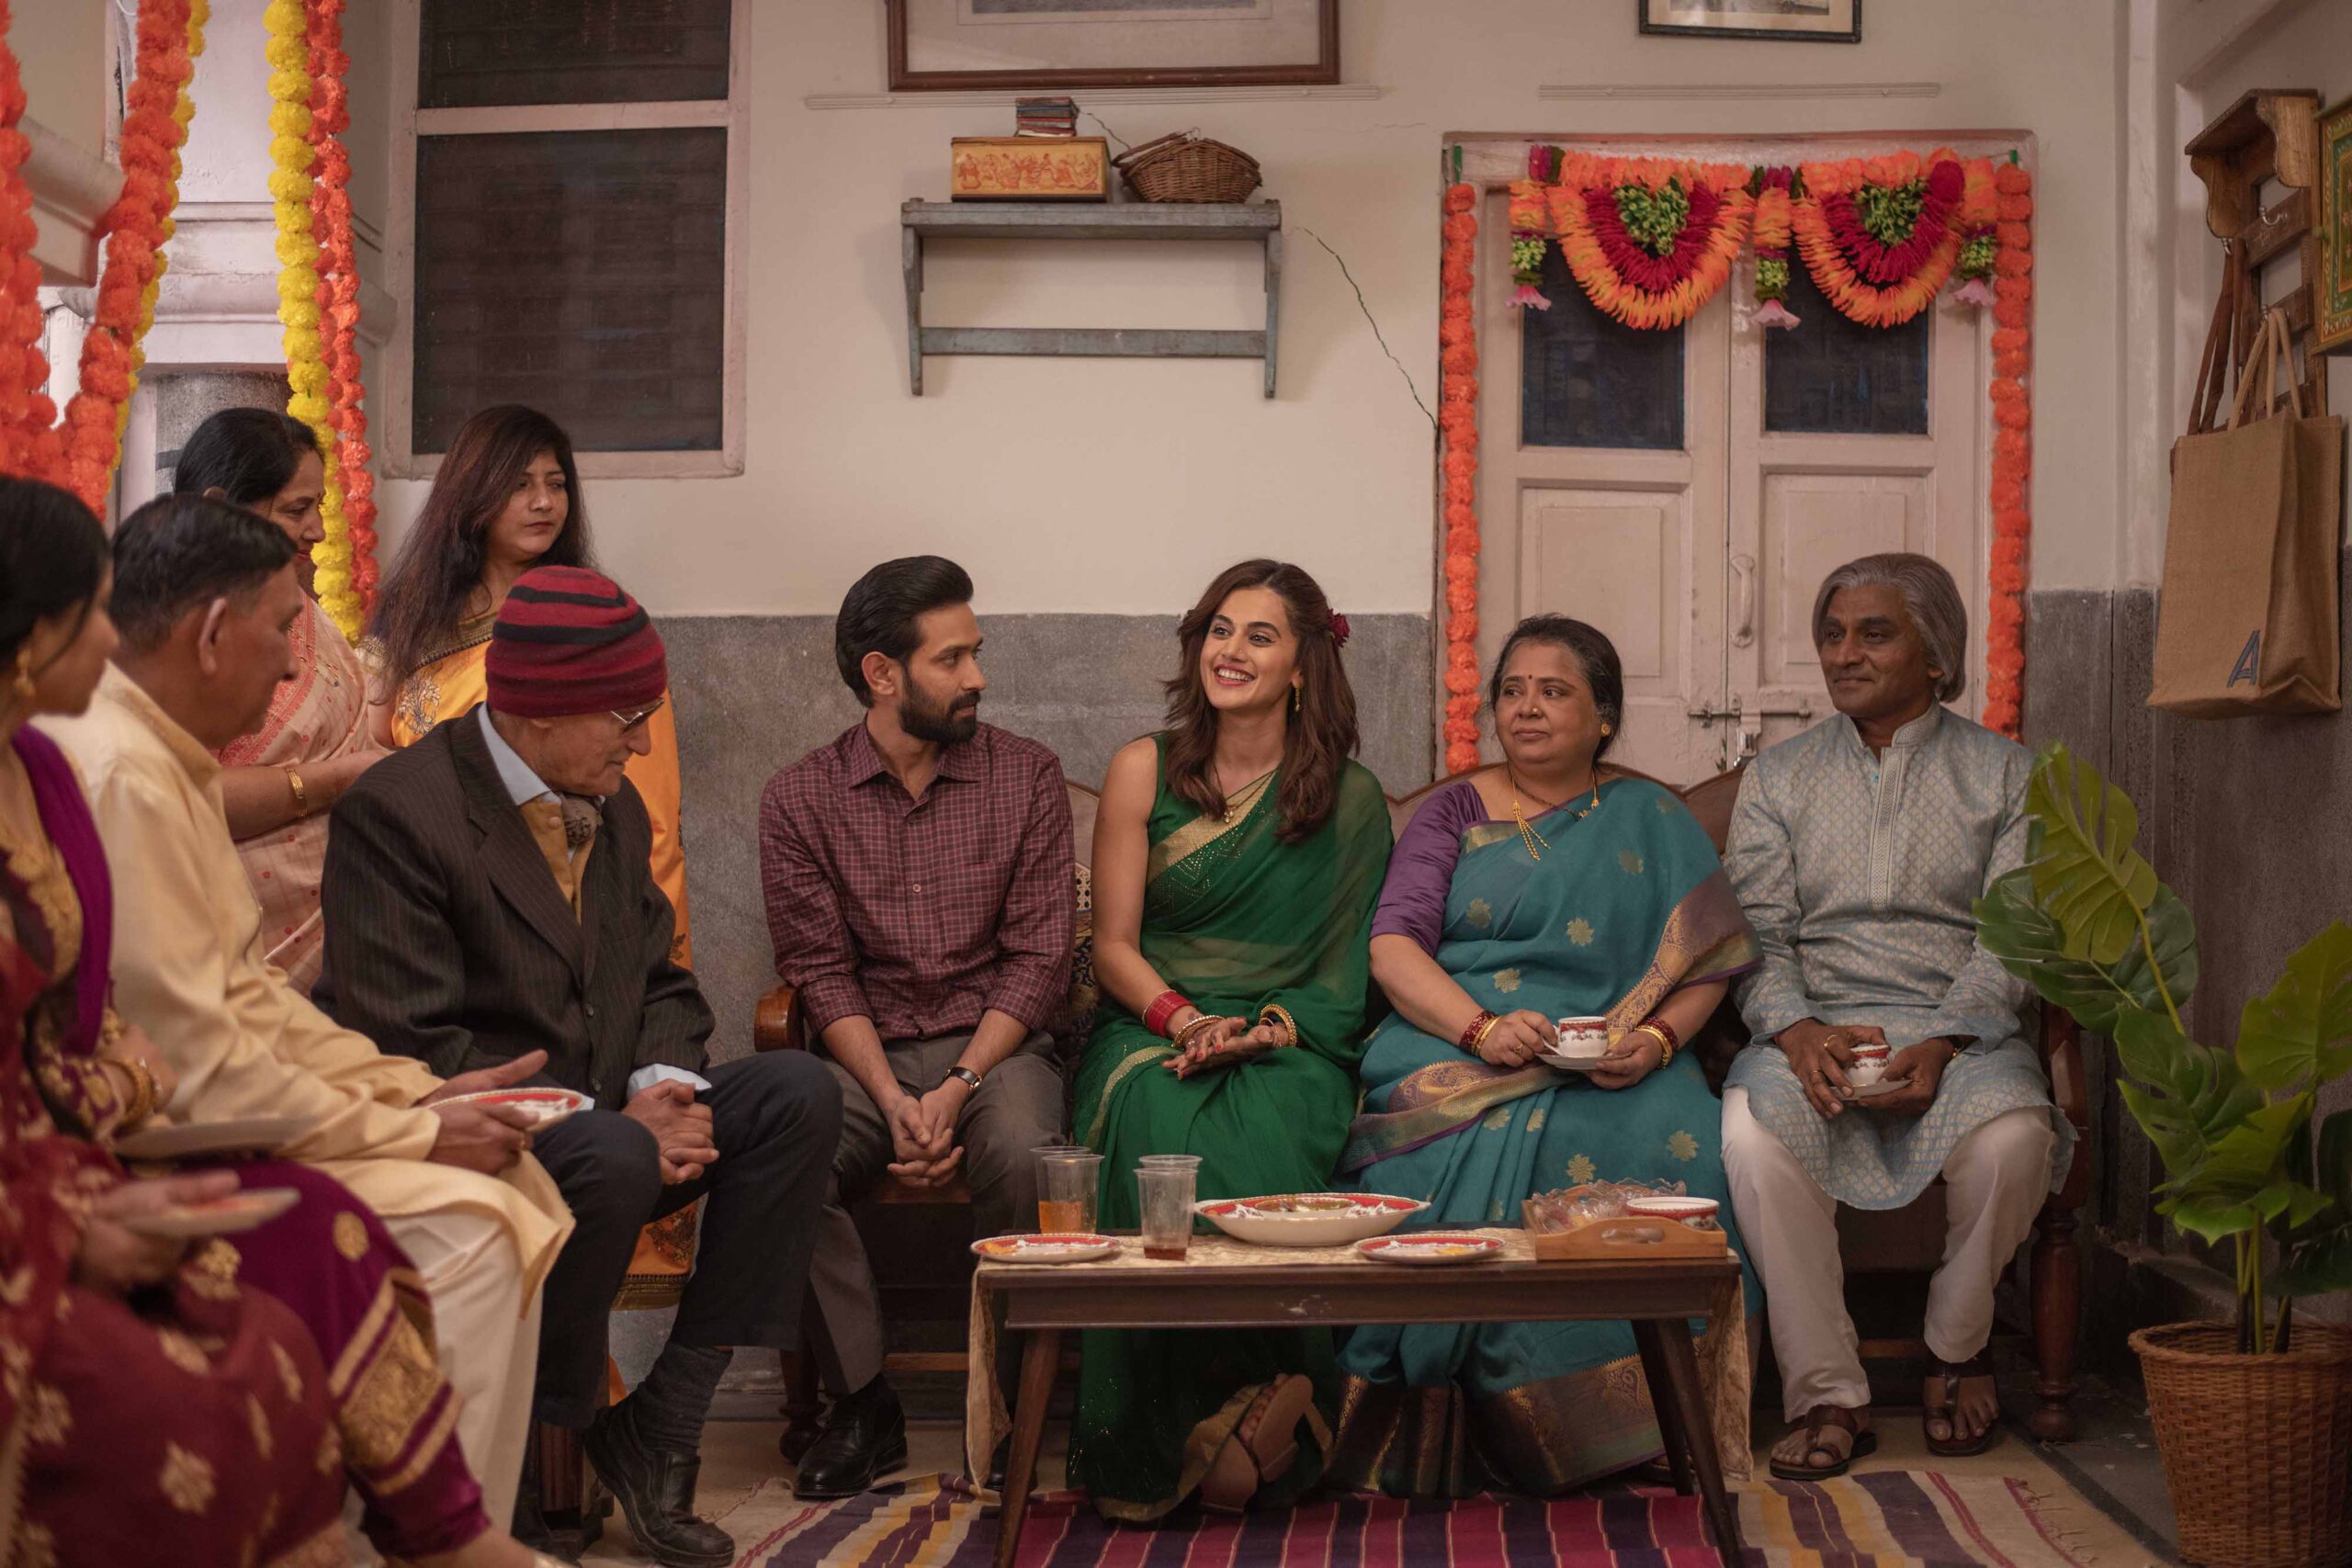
301	796
1665	1047
1484	1030
1183	1036
1281	1015
142	1090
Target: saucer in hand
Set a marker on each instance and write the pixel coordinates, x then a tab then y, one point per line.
545	1107
217	1216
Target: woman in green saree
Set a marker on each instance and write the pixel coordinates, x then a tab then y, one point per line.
1534	891
1237	858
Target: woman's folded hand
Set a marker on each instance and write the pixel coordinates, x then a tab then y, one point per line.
1516	1039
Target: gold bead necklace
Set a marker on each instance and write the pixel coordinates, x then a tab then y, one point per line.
1527	834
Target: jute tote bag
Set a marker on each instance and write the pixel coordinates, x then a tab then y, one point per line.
2248	619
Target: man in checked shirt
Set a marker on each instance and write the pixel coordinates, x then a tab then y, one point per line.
917	871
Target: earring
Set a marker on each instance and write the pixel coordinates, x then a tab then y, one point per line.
1294	699
1607	729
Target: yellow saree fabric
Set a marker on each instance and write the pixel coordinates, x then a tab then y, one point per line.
455	682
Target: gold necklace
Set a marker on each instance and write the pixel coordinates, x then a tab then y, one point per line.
1246	797
1527	834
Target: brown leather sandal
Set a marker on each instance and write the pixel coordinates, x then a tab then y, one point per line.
1946	1378
1264	1446
1863	1442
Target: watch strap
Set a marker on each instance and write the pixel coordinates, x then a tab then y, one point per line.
970	1077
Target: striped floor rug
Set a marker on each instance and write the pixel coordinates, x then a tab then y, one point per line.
1915	1518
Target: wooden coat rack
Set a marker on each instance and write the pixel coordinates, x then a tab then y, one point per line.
2270	133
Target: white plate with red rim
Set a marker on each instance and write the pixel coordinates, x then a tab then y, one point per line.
1699	1211
546	1107
1430	1248
216	1216
1074	1248
1309	1219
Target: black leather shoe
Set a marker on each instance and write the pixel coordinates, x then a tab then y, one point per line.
656	1489
999	1462
864	1439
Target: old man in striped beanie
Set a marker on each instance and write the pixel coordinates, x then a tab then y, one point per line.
487	895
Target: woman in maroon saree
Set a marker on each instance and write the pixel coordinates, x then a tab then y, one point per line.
163	1402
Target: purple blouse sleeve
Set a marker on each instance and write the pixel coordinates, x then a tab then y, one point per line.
1421	870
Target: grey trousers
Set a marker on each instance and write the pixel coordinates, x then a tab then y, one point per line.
1017	1108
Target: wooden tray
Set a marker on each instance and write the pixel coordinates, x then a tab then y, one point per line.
1632	1239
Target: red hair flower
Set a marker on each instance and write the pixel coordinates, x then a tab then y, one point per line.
1339	629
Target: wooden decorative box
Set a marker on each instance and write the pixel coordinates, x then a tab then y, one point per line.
1029	168
1633	1239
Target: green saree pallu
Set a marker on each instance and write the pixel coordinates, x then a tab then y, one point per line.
1627	906
1233	919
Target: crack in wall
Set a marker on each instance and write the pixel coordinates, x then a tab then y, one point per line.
1378	336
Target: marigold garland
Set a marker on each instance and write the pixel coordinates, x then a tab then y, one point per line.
27	443
348	506
1650	239
170	35
1881	235
2012	450
1458	419
1770	233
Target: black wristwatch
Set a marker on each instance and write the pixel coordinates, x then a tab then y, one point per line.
970	1077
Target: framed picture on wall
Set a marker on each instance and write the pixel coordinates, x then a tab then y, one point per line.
960	45
1818	21
2332	294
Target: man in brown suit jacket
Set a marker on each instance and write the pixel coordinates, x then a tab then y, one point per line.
488	893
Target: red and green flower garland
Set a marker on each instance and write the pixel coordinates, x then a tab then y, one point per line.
1881	236
1650	240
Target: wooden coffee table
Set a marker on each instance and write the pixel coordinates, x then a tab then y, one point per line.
1216	1289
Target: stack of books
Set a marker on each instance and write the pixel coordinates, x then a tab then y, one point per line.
1044	116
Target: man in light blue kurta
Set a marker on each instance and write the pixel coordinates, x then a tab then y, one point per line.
1859	850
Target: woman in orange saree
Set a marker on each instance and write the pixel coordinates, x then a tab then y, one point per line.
278	783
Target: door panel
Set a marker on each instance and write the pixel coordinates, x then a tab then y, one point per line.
1814	523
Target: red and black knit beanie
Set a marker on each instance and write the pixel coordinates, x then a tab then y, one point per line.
569	641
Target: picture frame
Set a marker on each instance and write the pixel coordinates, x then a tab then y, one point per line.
2331	289
968	45
1779	21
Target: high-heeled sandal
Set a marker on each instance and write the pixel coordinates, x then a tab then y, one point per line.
1263	1448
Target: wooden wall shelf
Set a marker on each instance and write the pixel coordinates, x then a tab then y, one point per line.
923	221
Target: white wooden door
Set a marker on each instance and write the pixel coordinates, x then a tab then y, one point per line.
1812	485
1629	538
1687	491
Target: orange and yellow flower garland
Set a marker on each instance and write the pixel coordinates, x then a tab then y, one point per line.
1875	284
299	288
170	36
1638	286
29	445
1457	333
2012	449
352	485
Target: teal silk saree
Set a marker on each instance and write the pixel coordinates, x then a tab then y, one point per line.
1233	919
1627	906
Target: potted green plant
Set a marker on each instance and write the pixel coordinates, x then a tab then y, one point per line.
2254	1418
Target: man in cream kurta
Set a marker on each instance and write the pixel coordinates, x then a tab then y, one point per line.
188	969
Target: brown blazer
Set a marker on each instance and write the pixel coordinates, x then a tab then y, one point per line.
448	940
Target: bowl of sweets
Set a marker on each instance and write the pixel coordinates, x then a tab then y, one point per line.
1309	1219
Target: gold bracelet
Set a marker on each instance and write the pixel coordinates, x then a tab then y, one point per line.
1281	1015
142	1090
301	796
1665	1047
1184	1037
1484	1030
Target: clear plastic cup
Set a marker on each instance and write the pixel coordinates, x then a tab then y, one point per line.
1181	1162
1167	1193
1066	1180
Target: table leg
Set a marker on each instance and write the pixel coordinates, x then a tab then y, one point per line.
1682	1371
1039	1359
1663	1404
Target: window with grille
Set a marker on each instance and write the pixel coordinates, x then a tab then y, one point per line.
571	227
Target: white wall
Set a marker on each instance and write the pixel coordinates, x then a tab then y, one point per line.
60	49
1114	485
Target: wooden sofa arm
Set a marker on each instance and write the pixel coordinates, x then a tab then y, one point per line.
2061	1054
778	1023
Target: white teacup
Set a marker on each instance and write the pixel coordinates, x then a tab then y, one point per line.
1583	1039
1869	1065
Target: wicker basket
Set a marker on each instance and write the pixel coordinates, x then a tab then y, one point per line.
2257	1450
1186	167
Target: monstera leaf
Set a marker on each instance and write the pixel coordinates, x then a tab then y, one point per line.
2319	1258
2185	1097
2017	930
2300	1036
2086	874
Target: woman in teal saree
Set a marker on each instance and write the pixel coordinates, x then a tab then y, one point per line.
1237	858
1502	912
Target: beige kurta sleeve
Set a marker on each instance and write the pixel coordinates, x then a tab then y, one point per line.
184	970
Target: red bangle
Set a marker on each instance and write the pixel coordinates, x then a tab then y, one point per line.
1673	1041
1165	1005
1469	1041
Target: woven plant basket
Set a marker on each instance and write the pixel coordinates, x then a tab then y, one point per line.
1185	167
2257	1450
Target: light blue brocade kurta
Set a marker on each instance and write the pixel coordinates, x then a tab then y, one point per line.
1860	875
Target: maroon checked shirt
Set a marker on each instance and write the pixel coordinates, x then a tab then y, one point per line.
921	914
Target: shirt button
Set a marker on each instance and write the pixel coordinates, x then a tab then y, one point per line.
918	886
